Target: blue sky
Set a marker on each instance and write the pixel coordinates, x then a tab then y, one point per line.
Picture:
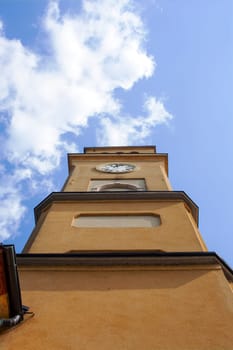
75	74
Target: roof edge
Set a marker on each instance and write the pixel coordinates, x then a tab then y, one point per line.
124	258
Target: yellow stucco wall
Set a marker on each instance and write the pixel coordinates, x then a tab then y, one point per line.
153	171
177	232
175	308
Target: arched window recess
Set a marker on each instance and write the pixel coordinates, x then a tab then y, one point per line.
117	186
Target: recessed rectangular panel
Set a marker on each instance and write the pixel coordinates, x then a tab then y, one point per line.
116	221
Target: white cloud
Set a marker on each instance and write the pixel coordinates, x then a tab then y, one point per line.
11	213
44	96
91	54
11	197
128	130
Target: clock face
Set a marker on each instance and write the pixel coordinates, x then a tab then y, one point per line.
116	167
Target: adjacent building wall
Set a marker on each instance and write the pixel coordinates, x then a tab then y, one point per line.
147	308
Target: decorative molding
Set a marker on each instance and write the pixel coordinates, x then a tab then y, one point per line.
125	258
164	196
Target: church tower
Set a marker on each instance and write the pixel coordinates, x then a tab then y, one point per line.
116	198
116	261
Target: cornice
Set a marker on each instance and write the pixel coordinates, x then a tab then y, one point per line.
164	196
125	258
118	148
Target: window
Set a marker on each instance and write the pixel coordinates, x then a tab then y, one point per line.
130	220
117	185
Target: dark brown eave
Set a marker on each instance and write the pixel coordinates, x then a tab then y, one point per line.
167	196
125	258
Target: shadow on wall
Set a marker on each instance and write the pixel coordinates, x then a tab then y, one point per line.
54	280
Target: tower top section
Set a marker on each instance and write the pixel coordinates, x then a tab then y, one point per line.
118	153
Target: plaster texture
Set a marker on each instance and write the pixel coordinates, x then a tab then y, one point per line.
160	308
84	170
177	232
